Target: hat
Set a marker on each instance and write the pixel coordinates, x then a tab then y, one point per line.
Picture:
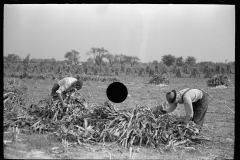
171	96
79	83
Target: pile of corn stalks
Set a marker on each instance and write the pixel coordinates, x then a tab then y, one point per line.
97	78
100	123
195	73
178	73
218	80
159	79
141	127
14	101
103	123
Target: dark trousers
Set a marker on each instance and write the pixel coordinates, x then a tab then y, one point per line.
54	89
199	110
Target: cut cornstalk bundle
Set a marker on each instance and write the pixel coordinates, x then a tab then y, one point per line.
14	98
178	73
195	73
159	79
218	80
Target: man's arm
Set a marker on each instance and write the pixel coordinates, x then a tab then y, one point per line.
60	97
188	108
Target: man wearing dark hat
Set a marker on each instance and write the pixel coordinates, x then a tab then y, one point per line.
195	103
63	86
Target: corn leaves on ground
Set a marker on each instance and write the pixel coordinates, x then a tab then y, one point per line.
99	123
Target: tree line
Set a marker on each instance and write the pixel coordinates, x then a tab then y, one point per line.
101	56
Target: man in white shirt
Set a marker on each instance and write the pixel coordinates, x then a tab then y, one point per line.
195	103
63	86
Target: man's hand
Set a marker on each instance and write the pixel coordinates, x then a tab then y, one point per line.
192	127
64	105
162	110
158	110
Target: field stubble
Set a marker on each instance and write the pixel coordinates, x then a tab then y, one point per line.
219	119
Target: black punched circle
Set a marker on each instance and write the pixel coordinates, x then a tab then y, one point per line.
117	92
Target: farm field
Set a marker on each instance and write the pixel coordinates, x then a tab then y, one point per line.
219	121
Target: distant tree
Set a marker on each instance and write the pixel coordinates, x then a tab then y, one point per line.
53	59
33	60
132	60
155	62
101	54
90	61
97	55
111	59
179	61
121	59
191	61
12	58
72	57
168	60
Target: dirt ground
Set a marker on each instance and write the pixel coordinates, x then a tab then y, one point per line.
219	123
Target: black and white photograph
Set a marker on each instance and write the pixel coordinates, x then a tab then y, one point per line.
119	81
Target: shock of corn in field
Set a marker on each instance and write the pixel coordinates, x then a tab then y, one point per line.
83	77
195	73
95	123
185	69
159	79
218	80
97	78
209	72
178	73
30	76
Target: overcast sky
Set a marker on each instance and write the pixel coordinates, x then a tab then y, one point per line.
206	32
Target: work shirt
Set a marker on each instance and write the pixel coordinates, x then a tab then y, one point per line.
189	97
65	83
